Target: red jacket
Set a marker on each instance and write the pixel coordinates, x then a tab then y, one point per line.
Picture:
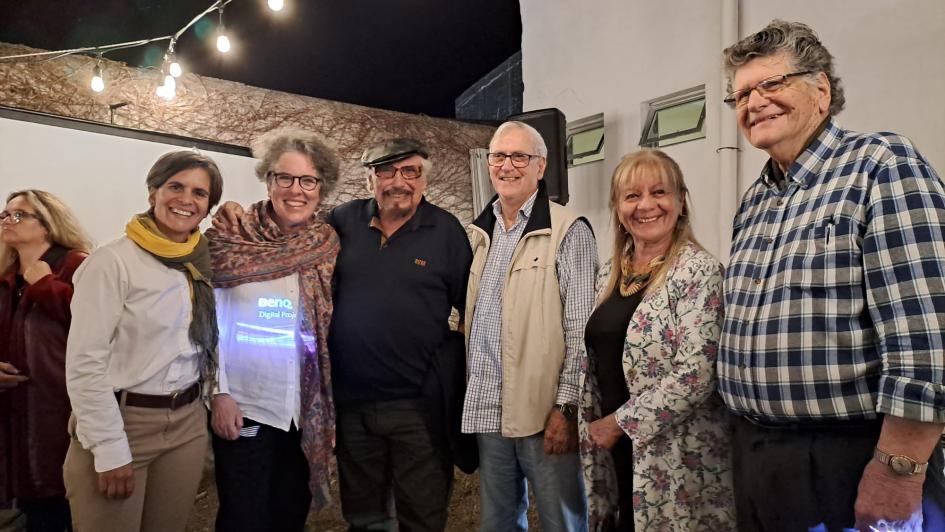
34	415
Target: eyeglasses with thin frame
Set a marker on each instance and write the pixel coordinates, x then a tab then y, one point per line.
739	98
284	180
18	216
519	160
388	171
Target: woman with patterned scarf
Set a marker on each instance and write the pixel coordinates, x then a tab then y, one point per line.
273	416
143	339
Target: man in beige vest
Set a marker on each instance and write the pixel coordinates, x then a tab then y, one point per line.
531	290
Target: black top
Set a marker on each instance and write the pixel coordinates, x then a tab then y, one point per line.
392	302
604	337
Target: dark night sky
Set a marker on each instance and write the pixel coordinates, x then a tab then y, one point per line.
414	56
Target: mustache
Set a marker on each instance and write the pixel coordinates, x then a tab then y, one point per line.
398	190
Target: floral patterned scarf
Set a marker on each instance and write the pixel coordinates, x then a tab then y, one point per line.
262	252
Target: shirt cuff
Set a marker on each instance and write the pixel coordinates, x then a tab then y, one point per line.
567	394
111	455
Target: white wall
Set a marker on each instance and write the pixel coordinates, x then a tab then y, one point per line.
611	55
101	177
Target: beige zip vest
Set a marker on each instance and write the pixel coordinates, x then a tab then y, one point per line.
533	345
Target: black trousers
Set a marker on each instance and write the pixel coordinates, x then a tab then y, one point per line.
796	478
262	480
47	514
390	465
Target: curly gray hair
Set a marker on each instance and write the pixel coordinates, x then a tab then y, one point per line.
803	47
268	147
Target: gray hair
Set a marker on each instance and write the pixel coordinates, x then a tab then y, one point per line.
540	147
269	146
803	47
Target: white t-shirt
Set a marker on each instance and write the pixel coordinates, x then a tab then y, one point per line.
260	349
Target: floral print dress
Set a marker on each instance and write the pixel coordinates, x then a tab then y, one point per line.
675	418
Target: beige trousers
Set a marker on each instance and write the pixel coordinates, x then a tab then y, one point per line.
168	449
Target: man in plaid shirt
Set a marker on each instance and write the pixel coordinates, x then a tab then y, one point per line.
832	357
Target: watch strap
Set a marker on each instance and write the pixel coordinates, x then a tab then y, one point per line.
887	459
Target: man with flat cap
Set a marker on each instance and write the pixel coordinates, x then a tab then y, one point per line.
403	266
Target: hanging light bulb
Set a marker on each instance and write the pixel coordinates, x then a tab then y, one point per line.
170	83
174	69
223	42
276	5
98	82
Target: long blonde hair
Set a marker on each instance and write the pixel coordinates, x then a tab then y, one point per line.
631	167
58	219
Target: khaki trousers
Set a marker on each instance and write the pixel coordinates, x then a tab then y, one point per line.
168	449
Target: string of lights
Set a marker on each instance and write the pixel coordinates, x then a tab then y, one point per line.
170	67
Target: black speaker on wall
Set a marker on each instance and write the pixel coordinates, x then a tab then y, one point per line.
553	128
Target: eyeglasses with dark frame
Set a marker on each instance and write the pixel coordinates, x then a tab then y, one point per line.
519	160
17	216
307	182
738	99
388	171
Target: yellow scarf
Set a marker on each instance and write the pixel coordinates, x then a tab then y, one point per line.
144	231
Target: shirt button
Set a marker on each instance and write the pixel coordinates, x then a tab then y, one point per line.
742	366
769	240
780	203
757	281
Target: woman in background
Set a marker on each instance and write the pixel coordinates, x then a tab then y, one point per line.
654	432
273	415
41	245
143	339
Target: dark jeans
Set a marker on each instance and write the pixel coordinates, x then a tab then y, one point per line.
387	459
48	514
796	478
262	481
622	454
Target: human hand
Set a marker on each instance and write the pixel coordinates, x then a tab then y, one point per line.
227	217
118	483
36	271
226	418
10	376
887	501
560	434
605	432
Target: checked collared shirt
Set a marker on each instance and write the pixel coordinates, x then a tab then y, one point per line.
835	292
576	264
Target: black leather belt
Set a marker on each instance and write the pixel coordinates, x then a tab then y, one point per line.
173	401
801	424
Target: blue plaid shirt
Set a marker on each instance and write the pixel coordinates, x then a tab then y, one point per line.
835	293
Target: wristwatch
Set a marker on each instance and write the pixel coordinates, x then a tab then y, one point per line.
899	464
568	411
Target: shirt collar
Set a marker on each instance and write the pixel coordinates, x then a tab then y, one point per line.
806	167
524	212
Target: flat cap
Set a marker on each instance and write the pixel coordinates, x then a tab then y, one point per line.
393	150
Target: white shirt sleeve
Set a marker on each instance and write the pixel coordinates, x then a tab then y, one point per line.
101	285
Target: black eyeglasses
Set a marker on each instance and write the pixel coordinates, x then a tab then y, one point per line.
284	180
519	160
388	171
739	98
17	216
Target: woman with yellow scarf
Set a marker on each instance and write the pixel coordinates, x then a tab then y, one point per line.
142	345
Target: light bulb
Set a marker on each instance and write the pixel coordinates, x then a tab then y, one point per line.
161	91
175	70
223	43
276	5
170	83
98	82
